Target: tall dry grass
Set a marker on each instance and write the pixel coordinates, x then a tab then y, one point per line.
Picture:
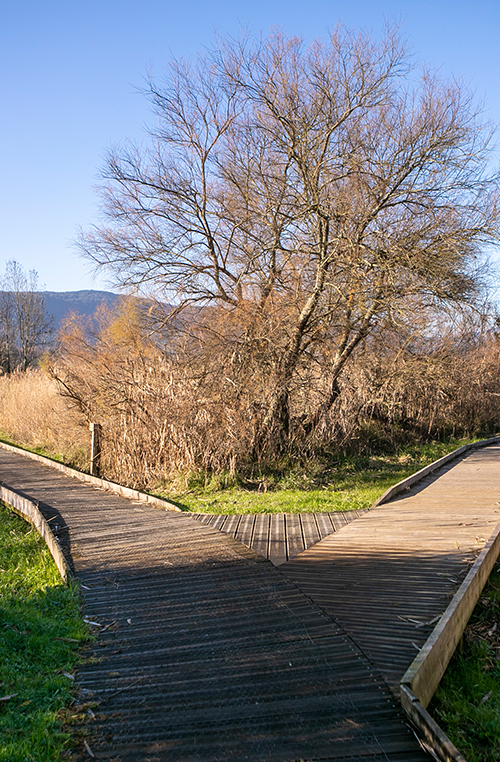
34	414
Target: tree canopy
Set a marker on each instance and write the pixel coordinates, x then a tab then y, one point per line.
302	197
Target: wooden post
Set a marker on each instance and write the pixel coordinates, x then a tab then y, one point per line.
95	449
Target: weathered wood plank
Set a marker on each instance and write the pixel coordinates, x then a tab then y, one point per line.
338	520
260	540
294	538
231	524
245	529
219	521
310	532
277	544
324	524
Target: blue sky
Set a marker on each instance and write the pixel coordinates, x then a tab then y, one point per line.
70	69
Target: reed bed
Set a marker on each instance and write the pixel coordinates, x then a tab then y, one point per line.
33	414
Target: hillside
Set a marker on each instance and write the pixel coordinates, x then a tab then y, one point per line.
60	304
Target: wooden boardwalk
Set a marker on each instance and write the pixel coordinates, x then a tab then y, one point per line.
388	576
279	536
205	651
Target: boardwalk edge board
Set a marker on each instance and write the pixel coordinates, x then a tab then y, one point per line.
425	672
420	681
416	477
428	728
29	511
118	489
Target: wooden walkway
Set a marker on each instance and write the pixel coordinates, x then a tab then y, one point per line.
279	536
387	577
205	651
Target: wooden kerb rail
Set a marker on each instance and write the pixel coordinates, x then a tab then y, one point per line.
424	674
30	512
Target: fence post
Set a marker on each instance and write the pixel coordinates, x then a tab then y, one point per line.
95	449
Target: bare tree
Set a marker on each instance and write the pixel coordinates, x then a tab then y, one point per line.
25	327
308	193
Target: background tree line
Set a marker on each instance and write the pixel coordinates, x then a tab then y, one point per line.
25	328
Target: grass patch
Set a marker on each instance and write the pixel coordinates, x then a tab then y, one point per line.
330	483
40	635
467	702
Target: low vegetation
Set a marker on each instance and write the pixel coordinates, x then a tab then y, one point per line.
34	415
341	484
467	702
41	631
168	411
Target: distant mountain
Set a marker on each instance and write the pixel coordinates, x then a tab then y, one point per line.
60	304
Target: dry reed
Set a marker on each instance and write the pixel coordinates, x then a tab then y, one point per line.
34	414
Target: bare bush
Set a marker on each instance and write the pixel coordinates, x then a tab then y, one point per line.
186	405
159	415
411	389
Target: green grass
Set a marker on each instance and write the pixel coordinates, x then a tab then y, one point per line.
330	482
326	484
41	630
467	702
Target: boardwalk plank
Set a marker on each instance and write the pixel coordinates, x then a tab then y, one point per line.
338	519
294	537
310	532
246	528
277	544
324	524
231	524
260	540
